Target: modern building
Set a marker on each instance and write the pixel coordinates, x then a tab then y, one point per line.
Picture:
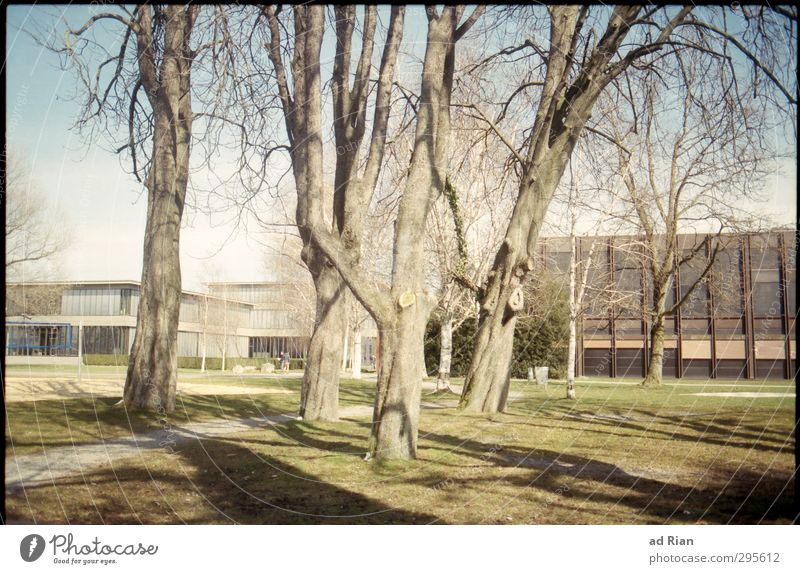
741	323
247	320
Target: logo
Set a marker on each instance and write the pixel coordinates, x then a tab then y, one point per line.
31	547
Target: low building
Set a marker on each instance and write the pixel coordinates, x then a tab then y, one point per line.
243	320
740	324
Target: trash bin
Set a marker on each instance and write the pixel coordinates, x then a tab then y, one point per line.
541	375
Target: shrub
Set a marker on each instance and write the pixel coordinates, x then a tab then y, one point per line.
540	339
106	360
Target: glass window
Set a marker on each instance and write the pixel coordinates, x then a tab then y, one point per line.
727	283
696	305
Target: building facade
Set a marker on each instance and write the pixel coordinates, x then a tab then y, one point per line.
44	319
739	324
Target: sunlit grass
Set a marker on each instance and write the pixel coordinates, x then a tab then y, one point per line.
618	454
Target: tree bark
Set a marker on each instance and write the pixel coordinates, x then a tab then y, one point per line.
655	365
319	394
574	305
488	377
396	411
152	369
445	354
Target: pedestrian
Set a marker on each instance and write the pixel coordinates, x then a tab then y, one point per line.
286	360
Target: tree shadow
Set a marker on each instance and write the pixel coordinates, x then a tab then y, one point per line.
720	431
734	495
211	480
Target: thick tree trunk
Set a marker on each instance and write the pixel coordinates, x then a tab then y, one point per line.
356	372
153	365
396	411
655	365
488	377
445	354
319	395
152	369
486	384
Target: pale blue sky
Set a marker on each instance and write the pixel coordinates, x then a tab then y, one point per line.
106	208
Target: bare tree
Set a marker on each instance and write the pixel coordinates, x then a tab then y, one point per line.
32	238
139	92
340	211
400	310
693	162
464	229
582	59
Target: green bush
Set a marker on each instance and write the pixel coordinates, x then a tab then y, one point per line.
540	339
106	360
462	348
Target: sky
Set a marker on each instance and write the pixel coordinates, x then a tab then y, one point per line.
104	208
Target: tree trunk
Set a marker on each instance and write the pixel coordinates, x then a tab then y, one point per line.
152	369
574	305
488	377
571	352
319	395
357	354
153	365
346	352
655	365
396	411
445	354
205	329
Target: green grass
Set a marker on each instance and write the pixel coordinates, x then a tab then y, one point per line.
619	454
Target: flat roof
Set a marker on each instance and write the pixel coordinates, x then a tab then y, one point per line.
114	283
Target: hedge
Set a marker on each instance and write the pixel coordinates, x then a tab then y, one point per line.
212	363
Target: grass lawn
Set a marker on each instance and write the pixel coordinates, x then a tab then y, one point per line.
619	454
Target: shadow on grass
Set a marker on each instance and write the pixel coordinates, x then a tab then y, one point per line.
736	495
83	421
208	481
721	429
